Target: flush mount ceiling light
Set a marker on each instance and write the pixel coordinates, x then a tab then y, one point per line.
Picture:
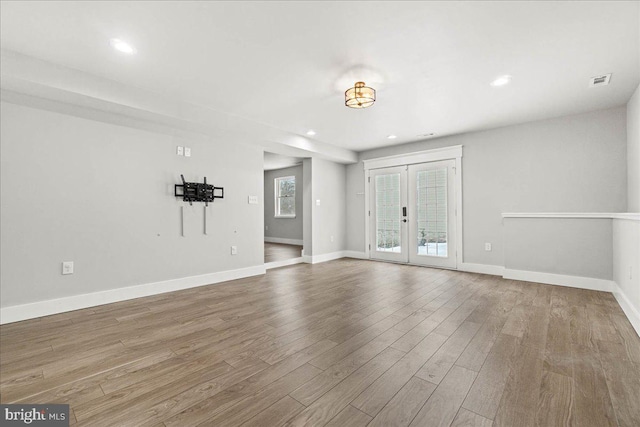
311	132
359	96
501	81
122	46
391	137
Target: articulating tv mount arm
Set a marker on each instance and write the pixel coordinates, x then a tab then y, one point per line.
198	192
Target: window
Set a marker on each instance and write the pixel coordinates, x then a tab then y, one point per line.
285	192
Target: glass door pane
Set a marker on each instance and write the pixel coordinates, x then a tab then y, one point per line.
388	212
431	204
388	227
431	217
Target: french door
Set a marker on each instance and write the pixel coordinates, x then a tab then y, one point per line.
412	214
388	214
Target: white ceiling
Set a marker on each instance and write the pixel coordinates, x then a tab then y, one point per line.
287	64
277	161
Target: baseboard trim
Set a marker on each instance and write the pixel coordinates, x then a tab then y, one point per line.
494	270
283	263
354	254
630	311
17	313
316	259
560	279
296	242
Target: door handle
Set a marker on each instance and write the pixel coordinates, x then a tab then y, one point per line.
404	211
404	220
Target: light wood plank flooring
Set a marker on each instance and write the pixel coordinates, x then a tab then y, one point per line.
343	343
280	252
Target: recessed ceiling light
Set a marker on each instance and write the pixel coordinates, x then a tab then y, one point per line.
311	132
391	137
501	81
122	46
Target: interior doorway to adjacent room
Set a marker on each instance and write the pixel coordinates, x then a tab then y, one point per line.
283	210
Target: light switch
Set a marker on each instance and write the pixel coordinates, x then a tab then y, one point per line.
180	151
187	152
487	247
318	202
253	200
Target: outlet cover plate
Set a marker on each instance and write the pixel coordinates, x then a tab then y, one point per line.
67	267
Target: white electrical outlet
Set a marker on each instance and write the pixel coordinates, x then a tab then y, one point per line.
187	152
487	247
234	250
67	267
318	202
332	238
253	200
180	151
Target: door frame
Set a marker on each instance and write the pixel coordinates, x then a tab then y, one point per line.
445	153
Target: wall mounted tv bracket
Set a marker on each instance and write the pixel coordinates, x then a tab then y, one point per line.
198	192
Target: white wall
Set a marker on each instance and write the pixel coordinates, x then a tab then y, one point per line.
101	195
283	228
633	152
329	218
567	246
626	233
626	267
307	207
569	164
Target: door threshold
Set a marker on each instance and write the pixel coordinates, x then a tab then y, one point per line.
414	265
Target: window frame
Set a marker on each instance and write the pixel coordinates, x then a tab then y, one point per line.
276	193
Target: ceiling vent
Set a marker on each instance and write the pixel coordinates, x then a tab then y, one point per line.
602	80
427	135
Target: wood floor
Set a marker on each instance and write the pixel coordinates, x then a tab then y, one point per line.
343	343
280	252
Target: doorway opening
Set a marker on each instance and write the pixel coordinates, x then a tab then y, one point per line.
283	210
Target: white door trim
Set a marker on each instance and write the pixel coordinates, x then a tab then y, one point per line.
434	155
445	153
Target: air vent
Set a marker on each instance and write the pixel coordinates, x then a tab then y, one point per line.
602	80
427	135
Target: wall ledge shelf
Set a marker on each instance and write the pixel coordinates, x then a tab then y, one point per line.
584	215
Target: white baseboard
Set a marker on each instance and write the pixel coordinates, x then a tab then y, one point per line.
354	254
560	279
17	313
284	263
315	259
494	270
297	242
633	313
